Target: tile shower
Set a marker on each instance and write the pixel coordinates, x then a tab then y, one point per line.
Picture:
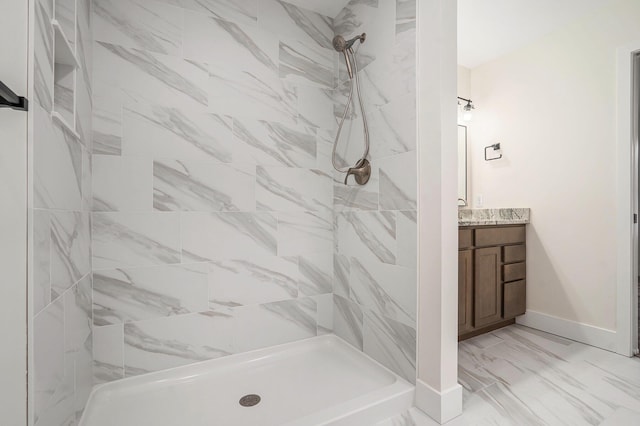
196	214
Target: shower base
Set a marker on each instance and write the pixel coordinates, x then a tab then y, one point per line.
318	381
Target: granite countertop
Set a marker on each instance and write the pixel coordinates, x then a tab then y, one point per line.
503	216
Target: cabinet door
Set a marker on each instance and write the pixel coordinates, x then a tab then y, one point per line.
488	294
465	291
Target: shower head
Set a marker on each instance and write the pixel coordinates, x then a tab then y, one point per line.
341	45
344	46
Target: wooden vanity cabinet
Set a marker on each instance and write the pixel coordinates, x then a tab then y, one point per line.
491	277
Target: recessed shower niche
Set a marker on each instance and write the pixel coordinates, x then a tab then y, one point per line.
66	64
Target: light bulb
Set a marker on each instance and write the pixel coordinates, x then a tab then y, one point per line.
467	115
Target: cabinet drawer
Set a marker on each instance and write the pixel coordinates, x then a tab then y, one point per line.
512	254
515	271
500	235
514	299
465	238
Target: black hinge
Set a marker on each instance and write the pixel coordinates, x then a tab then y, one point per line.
635	218
8	99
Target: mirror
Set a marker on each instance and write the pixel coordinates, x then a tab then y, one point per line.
462	165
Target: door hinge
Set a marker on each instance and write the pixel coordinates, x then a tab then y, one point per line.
635	218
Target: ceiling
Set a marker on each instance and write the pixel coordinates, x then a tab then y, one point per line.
329	8
488	29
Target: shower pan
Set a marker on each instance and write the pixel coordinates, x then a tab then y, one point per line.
361	171
318	381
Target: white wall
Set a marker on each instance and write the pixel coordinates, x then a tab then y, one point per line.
552	106
464	82
437	390
13	218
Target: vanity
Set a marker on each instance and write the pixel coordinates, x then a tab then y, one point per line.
491	269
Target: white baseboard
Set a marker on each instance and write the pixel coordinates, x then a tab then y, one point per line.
440	406
580	332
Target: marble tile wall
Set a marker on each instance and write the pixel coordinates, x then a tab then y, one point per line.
212	223
375	282
61	225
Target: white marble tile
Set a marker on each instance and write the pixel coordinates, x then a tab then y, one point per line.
135	239
57	164
384	81
203	186
304	232
348	321
108	353
391	343
290	189
411	417
407	238
260	326
325	139
41	259
159	131
261	279
622	417
87	173
274	144
399	182
356	197
289	20
377	19
48	355
134	294
142	24
315	108
70	249
316	270
65	14
218	236
393	127
342	272
122	183
405	15
43	54
236	46
83	377
246	94
150	77
245	11
84	34
63	92
83	108
59	408
324	303
107	123
389	290
367	235
170	342
77	315
306	63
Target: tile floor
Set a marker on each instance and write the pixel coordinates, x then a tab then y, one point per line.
520	376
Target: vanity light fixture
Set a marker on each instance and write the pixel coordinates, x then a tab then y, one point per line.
467	110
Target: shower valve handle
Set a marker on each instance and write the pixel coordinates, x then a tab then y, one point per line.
361	172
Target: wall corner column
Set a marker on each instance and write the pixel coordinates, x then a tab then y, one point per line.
437	390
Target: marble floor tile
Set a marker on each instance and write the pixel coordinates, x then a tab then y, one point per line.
520	376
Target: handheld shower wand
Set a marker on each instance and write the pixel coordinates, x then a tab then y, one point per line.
344	46
361	171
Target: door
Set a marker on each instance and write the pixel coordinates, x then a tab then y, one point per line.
487	286
465	291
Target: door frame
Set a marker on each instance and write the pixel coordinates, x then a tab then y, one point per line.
627	201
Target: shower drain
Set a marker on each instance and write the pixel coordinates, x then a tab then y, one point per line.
250	400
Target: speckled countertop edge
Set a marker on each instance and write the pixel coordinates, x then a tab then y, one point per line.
498	216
